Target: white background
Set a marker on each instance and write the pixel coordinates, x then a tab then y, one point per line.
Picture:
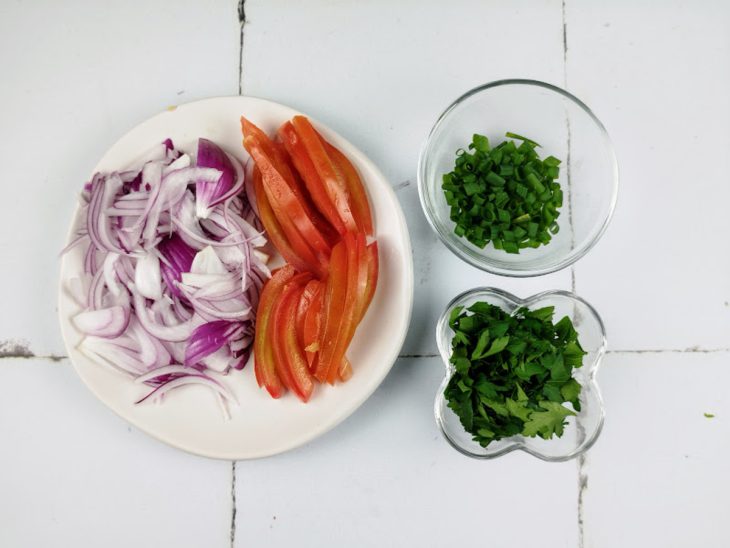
76	75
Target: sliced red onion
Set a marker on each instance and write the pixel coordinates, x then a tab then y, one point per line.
147	277
188	380
175	333
225	288
172	189
96	291
171	274
181	162
105	322
110	273
194	239
108	352
178	259
235	309
165	371
209	194
151	351
248	186
103	194
76	241
157	153
206	261
219	361
90	264
139	198
208	338
242	358
193	280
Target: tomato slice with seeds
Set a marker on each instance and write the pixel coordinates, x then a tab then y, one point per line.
334	183
311	290
333	307
315	209
345	371
277	235
288	210
372	284
290	358
264	364
282	161
359	204
311	329
349	320
312	180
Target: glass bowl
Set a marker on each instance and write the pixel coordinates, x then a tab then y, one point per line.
581	430
566	128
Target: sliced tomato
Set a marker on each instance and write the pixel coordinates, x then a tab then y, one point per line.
362	275
276	234
276	155
345	371
349	320
288	210
290	358
308	295
264	364
280	159
312	180
373	268
359	203
333	307
334	182
311	329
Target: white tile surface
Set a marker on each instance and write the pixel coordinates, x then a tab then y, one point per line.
658	475
386	477
75	77
381	76
73	474
657	75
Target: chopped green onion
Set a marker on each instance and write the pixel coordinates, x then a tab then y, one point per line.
521	138
505	195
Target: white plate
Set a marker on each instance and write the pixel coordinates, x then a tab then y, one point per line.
190	417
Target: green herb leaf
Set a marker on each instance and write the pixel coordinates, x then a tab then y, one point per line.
519	409
482	343
548	422
497	346
571	392
512	373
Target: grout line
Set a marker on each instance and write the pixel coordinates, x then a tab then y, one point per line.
233	503
30	356
569	180
582	487
690	350
242	21
572	279
582	473
401	185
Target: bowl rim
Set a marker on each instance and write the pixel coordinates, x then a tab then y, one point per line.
522	444
485	264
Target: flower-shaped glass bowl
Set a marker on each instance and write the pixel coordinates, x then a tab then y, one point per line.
583	429
565	128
